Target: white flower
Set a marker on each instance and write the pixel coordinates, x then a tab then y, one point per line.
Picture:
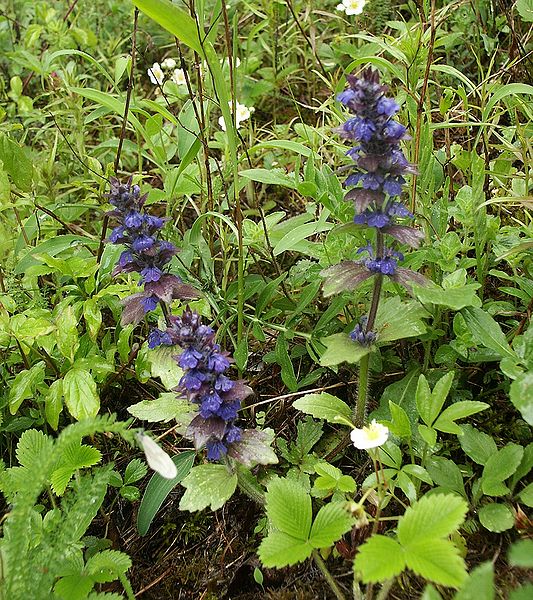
157	458
351	7
241	114
370	436
178	77
168	63
236	62
155	72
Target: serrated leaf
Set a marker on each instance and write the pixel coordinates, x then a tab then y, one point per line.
31	444
165	408
207	485
288	507
379	558
454	298
108	565
479	585
323	406
496	517
330	524
24	385
159	488
279	549
436	560
499	467
340	348
434	516
135	470
418	472
477	445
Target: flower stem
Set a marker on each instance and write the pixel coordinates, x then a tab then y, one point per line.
362	392
327	576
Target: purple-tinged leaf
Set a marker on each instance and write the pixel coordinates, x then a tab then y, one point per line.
254	448
170	287
364	198
406	277
345	276
201	430
405	234
133	309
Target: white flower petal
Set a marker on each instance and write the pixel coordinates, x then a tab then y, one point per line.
370	436
178	77
168	63
157	458
156	74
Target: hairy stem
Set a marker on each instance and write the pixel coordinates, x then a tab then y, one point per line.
362	392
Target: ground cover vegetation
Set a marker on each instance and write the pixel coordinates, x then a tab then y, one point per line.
266	285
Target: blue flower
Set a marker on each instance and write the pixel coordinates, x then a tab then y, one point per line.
143	242
189	358
150	303
215	450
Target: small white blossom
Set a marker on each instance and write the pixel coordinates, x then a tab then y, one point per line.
242	113
236	62
157	458
351	7
370	436
178	77
168	63
155	72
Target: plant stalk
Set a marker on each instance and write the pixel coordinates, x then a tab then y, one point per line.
327	576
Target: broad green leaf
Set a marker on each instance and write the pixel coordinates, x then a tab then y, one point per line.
397	320
81	396
434	516
418	472
430	404
499	467
165	408
379	558
477	445
107	565
67	333
295	147
399	424
496	517
458	410
279	550
487	332
73	587
521	554
159	488
52	246
31	444
135	470
526	495
340	348
454	298
523	592
436	560
521	395
288	507
323	406
163	365
291	239
479	585
93	317
17	163
270	177
75	456
53	403
446	473
207	485
331	523
24	385
430	593
525	10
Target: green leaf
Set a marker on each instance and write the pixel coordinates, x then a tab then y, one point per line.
499	467
288	507
477	445
487	332
400	424
159	488
434	516
75	456
74	587
526	495
379	558
165	408
207	485
284	361
446	474
81	397
52	246
67	333
93	317
291	239
436	560
163	365
270	177
17	164
279	550
458	410
479	585
24	385
135	471
397	320
430	404
521	395
107	565
525	10
418	472
521	554
454	298
31	445
340	348
523	592
331	523
53	403
496	517
323	406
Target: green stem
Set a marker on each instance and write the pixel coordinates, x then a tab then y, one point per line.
362	392
327	576
127	586
385	589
